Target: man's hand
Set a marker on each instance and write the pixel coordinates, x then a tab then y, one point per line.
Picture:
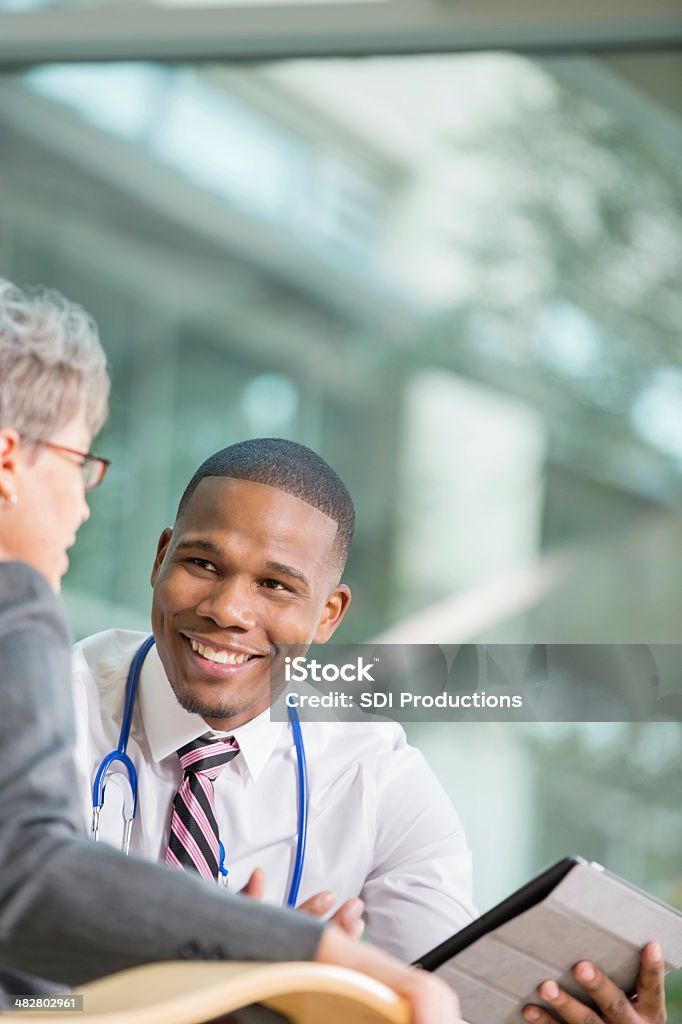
255	887
647	1007
430	999
348	917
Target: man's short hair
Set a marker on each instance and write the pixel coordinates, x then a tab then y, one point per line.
292	468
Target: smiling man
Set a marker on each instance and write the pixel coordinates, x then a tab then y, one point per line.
254	563
218	629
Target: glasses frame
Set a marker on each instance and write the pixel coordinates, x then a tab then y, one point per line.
89	460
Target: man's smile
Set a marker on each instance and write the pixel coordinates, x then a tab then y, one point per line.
220	660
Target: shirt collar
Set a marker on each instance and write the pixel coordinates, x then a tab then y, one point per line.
168	726
257	740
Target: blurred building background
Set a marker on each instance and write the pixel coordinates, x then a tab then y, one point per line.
457	277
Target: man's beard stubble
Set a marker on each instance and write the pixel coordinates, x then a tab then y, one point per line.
217	709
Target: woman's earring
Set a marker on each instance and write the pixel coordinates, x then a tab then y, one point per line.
8	499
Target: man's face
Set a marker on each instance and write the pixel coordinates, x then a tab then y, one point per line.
247	569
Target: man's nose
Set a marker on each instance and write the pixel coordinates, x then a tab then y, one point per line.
230	603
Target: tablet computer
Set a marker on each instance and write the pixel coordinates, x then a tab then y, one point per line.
573	911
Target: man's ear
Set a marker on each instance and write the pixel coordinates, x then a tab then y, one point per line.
161	549
334	610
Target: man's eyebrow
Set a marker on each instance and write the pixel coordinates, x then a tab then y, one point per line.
288	570
201	544
198	543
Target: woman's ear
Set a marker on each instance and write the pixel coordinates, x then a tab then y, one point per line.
10	445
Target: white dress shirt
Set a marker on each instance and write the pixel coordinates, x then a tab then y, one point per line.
380	825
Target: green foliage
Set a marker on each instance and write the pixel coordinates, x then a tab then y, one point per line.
674	997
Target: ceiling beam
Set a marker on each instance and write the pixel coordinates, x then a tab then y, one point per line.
284	31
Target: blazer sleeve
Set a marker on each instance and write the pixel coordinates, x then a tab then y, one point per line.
71	910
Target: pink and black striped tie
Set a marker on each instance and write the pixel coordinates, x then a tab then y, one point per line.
194	843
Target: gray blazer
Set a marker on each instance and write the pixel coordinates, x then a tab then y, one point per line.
71	910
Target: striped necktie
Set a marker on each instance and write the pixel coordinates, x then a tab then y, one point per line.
194	843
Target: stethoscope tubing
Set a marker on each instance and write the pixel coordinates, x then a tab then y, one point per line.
130	809
302	778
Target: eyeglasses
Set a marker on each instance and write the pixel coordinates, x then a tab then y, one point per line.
93	466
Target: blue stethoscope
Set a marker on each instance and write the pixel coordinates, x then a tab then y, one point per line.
127	779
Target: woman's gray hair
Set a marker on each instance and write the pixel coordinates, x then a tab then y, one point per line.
52	364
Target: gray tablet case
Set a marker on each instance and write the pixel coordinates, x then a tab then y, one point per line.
589	914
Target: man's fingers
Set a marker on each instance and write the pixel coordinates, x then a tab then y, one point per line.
610	999
319	904
255	887
568	1009
349	917
614	1005
536	1015
651	984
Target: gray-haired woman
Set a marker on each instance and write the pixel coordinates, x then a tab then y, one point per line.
53	399
71	910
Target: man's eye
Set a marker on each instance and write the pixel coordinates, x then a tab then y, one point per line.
202	563
274	585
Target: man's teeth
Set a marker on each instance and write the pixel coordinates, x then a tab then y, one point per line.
222	657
